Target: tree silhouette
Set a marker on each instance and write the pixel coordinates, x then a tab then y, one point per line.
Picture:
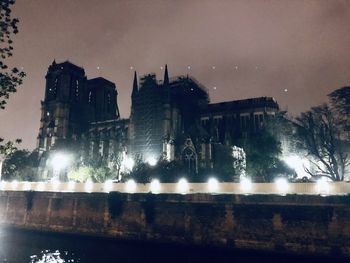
320	135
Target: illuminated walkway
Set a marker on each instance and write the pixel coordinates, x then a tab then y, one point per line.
280	187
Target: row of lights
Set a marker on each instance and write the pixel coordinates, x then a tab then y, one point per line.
282	185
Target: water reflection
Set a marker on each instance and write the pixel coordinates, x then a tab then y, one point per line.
17	246
47	256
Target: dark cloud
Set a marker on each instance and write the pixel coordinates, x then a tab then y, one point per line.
258	48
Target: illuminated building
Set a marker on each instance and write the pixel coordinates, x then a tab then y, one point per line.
170	119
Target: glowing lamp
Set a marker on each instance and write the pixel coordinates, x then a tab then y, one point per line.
130	186
59	161
245	184
282	185
152	161
323	186
213	184
182	185
55	184
155	186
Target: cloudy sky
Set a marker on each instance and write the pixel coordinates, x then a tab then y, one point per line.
295	51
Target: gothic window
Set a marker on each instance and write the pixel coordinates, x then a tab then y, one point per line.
189	156
52	89
90	96
108	102
76	89
55	87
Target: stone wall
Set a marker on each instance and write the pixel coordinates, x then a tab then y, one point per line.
292	223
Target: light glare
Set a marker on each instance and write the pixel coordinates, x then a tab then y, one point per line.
155	186
323	186
59	161
152	161
182	185
245	184
130	186
282	185
213	184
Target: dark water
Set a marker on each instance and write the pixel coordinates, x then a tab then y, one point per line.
29	247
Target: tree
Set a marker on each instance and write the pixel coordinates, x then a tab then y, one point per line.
262	154
340	102
20	165
5	150
321	136
10	78
224	160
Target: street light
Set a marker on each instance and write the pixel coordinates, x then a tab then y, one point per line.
182	186
151	160
155	186
213	184
245	184
59	162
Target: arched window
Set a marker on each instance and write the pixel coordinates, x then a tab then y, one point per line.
90	96
108	102
189	157
76	91
54	92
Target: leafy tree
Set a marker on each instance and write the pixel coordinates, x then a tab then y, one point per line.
85	173
20	165
5	150
10	78
115	164
224	168
262	154
340	102
321	135
81	174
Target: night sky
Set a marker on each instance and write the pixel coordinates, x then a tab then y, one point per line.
295	51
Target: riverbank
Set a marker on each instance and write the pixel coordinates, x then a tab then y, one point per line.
292	224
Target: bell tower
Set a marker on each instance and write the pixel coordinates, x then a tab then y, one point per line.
63	113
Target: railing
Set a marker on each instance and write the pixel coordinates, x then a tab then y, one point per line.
325	188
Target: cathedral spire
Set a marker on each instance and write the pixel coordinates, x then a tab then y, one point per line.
54	62
166	76
135	86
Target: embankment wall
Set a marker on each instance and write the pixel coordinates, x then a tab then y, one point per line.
300	224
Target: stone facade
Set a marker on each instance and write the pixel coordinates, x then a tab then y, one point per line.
171	119
298	224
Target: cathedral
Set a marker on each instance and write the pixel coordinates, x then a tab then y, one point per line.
171	119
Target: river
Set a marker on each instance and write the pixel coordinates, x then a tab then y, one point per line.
33	247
